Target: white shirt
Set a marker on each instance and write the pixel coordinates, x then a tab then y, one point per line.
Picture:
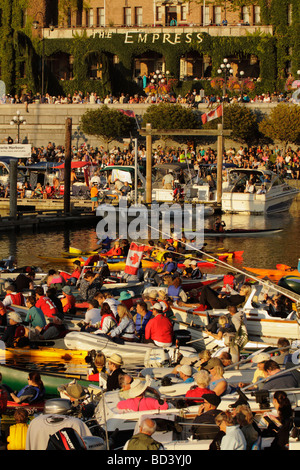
92	316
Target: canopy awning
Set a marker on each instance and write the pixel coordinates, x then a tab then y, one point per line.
79	164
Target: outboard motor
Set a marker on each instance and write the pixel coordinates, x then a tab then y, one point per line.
157	357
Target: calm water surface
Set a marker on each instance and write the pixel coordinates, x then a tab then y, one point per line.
259	252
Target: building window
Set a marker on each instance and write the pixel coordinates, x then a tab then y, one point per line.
246	15
79	18
100	17
139	16
217	15
205	16
256	14
127	16
69	18
158	13
89	17
183	12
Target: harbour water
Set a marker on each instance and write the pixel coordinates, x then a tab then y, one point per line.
260	252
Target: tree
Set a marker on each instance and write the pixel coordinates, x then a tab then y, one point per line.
169	116
282	124
241	120
107	124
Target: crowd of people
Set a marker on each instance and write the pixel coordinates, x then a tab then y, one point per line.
150	94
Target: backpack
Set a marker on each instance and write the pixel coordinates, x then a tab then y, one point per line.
66	439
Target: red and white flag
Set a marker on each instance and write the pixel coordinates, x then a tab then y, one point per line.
214	114
134	257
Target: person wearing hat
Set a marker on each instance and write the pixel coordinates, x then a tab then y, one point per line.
73	391
137	400
126	298
207	412
163	298
14	331
159	329
12	297
68	300
196	273
170	265
186	373
260	360
115	362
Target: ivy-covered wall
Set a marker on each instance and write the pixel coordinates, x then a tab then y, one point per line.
18	47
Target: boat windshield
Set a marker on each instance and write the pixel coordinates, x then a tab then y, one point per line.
251	181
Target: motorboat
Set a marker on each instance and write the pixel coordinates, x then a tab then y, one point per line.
256	191
261	325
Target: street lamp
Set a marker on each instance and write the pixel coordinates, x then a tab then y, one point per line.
18	120
225	68
242	73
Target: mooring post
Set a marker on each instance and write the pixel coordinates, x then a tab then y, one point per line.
13	194
67	172
148	164
220	164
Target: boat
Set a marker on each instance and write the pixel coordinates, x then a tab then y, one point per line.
35	351
273	274
16	378
239	232
131	352
117	264
261	325
290	282
277	198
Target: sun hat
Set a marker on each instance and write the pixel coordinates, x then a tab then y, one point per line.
125	295
212	398
213	362
73	389
137	387
194	262
158	306
186	370
162	294
153	294
67	290
116	359
15	317
261	357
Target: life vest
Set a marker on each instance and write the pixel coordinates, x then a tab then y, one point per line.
173	292
38	393
17	436
228	280
17	298
107	315
140	321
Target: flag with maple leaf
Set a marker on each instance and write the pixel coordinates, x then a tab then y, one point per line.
134	257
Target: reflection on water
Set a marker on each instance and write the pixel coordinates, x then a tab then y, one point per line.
261	252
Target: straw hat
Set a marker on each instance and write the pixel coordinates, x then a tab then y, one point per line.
162	294
261	357
73	389
153	294
213	362
15	317
116	359
137	387
186	370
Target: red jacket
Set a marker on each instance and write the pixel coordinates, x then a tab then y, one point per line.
160	329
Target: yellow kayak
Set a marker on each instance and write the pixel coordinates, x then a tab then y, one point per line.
45	353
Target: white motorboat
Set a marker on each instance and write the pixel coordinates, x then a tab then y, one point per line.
276	195
131	352
261	326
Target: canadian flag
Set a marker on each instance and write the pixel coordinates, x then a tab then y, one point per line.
214	114
134	257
